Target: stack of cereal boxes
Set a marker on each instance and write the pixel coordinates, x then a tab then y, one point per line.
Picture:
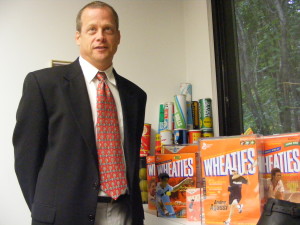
224	180
231	193
282	157
177	169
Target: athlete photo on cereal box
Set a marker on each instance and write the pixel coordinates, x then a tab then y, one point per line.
281	167
176	173
231	180
151	180
193	204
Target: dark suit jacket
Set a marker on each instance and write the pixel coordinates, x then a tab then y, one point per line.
55	148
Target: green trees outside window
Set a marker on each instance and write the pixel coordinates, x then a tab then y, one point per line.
268	33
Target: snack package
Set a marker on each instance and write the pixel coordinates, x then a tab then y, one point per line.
176	173
281	166
230	174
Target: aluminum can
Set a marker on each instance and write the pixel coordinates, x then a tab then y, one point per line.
180	136
195	115
166	137
145	141
186	89
205	113
161	118
180	112
168	116
194	136
207	132
157	144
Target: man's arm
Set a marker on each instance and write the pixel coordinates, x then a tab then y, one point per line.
30	137
183	182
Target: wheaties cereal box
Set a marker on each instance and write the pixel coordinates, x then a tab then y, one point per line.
193	204
176	149
176	173
151	180
282	166
231	180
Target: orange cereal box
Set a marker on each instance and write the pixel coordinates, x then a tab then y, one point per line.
193	204
151	179
281	166
176	173
184	148
231	179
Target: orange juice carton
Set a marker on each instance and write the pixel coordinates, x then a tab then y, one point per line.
183	148
151	180
176	173
281	166
231	192
194	204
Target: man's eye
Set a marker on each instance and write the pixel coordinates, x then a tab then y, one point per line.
108	29
92	29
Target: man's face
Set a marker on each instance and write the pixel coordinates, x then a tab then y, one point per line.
277	176
99	37
164	182
152	189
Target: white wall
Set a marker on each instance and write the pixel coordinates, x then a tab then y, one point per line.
164	42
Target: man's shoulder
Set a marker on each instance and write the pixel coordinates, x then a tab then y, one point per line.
52	72
54	75
129	85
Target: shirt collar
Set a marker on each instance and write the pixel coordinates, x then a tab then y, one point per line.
89	71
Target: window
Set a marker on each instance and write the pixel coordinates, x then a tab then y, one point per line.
258	71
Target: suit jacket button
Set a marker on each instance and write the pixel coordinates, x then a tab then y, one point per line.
96	186
91	217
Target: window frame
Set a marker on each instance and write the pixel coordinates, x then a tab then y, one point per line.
227	68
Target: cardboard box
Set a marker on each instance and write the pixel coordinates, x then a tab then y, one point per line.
176	173
193	204
231	179
283	152
151	180
176	149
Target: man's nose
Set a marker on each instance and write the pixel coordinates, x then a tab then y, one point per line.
100	35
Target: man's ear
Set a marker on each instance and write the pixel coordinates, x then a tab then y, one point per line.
77	37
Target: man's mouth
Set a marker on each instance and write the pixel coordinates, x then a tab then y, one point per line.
100	47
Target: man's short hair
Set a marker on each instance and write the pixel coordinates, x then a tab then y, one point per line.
94	5
274	171
163	176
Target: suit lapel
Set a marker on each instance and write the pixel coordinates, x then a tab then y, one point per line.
129	119
75	89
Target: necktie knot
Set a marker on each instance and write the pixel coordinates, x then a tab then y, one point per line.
101	76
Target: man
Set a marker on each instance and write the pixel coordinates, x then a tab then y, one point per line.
163	192
59	136
236	181
275	188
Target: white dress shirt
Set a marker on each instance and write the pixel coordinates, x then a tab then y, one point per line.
90	72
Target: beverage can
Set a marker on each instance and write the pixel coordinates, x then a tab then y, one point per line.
205	111
180	112
186	89
168	116
194	136
161	118
206	132
166	137
145	140
157	144
180	136
195	114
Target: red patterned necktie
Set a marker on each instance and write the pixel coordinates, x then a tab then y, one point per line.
110	154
